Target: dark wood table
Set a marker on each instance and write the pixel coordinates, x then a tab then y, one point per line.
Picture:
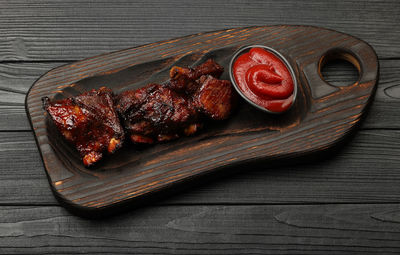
348	202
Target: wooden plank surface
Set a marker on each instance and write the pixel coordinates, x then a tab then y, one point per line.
54	30
346	204
365	170
257	229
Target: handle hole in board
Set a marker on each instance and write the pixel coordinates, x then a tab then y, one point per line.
339	68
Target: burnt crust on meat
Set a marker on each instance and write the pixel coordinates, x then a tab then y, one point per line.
158	113
155	113
214	98
185	79
97	122
89	122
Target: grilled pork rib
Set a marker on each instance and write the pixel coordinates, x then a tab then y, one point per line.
154	113
165	112
185	79
89	122
214	97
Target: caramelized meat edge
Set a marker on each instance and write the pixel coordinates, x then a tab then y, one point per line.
154	113
158	113
89	122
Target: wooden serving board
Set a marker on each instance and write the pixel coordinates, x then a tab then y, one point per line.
322	115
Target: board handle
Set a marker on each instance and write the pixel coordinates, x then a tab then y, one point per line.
361	55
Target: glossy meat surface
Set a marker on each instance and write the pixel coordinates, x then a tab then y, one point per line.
155	113
185	79
214	98
165	112
89	122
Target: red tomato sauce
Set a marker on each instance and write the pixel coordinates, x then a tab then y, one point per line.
264	79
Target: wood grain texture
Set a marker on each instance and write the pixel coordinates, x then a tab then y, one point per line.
15	80
297	229
18	77
72	30
322	115
364	171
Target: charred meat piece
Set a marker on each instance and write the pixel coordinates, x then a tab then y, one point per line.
156	113
185	79
89	122
214	98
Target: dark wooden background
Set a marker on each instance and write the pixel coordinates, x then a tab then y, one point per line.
346	203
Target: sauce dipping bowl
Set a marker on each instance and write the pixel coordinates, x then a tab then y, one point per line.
246	49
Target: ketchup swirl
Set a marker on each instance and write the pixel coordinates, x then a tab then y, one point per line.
264	79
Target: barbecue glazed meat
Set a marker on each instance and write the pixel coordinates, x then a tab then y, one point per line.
165	112
89	122
185	79
156	113
214	98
